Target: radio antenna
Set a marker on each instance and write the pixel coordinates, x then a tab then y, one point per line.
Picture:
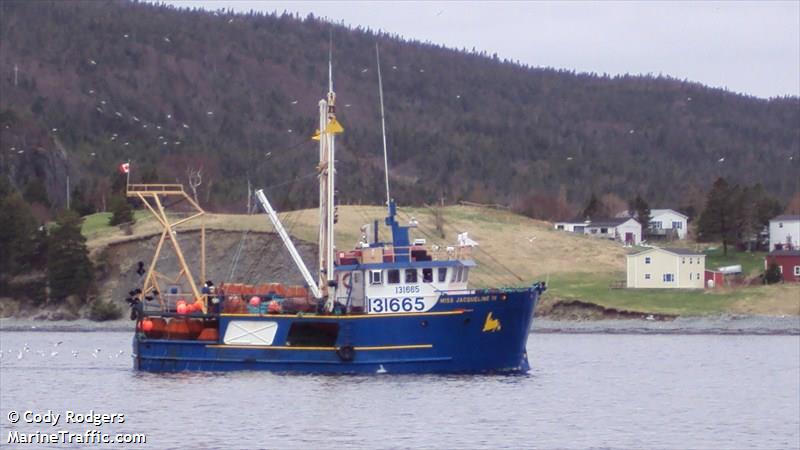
383	124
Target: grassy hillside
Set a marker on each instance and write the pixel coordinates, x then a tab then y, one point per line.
511	246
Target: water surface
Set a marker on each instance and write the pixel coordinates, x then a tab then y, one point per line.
606	391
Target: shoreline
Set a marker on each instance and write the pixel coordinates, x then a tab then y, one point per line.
697	325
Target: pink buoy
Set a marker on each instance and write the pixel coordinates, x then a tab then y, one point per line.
255	301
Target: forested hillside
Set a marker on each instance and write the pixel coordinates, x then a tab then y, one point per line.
87	85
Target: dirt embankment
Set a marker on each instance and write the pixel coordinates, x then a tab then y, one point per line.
263	258
556	309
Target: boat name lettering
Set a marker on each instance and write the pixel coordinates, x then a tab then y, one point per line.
406	289
390	305
471	299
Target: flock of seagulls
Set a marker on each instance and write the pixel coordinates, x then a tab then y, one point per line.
26	352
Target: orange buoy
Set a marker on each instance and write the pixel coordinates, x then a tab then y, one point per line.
195	328
159	328
208	334
147	325
178	329
182	308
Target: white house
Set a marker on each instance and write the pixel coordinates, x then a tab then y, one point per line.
784	232
663	221
626	230
666	268
572	227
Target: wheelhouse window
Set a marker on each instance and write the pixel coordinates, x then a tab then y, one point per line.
393	276
442	274
411	275
375	277
427	275
465	275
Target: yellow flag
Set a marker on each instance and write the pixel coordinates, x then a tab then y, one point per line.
334	127
315	137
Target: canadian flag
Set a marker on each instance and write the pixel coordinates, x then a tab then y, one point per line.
125	167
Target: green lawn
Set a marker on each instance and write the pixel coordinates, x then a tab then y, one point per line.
95	224
595	288
752	262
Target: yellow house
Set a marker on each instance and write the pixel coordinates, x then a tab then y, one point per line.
676	268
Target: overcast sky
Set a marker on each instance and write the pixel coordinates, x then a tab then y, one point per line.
747	47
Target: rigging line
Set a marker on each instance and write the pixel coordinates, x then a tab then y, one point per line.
487	275
504	267
383	125
497	263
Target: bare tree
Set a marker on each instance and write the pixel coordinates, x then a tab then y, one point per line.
195	177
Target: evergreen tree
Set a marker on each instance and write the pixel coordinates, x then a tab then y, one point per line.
720	218
70	271
594	209
641	211
17	234
121	211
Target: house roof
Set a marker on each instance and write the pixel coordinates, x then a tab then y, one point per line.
674	251
656	212
684	251
613	222
784	253
786	217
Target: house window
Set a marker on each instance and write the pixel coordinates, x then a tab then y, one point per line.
691	260
427	275
690	276
677	225
393	276
647	260
780	224
411	275
375	277
647	276
683	260
442	274
657	225
797	271
697	276
560	227
668	278
604	230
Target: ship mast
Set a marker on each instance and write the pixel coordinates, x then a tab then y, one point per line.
329	127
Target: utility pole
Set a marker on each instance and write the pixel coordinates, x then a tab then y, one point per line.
16	72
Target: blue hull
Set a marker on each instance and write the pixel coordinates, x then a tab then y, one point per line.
480	332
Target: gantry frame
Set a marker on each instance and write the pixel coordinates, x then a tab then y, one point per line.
150	195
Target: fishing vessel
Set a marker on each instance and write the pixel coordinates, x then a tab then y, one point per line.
394	306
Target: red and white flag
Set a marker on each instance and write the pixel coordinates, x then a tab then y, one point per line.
125	167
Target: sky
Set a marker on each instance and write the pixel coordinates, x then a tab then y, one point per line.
746	47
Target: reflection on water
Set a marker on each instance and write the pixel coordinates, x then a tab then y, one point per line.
619	391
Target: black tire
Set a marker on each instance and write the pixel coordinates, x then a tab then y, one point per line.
346	353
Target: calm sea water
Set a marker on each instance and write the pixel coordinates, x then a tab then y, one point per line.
600	391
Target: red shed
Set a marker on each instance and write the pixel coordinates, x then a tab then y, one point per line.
788	261
714	279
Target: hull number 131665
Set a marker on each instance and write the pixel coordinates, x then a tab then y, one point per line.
391	305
